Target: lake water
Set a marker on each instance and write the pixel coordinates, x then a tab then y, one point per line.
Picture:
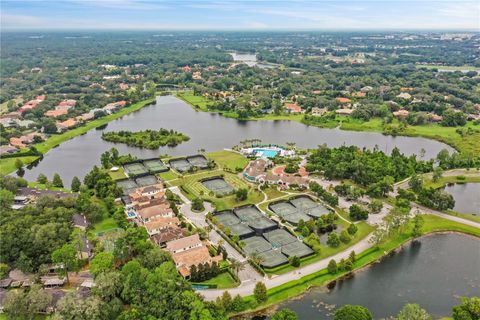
432	272
247	58
467	197
211	132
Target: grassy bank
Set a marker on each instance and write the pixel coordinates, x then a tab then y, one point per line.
294	288
467	143
8	165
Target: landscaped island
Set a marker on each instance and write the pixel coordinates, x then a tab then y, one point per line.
150	139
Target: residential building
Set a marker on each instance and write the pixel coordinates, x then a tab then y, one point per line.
343	100
345	112
157	226
319	111
65	125
401	114
154	212
293	108
405	95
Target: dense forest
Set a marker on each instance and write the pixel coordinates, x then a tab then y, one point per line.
150	139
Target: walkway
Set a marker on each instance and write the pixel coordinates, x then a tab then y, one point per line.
425	210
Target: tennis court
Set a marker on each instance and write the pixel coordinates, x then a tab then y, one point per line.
283	209
155	165
279	238
146	180
198	161
255	219
127	186
303	203
135	169
256	245
247	213
241	230
295	218
296	248
181	165
272	258
227	218
218	185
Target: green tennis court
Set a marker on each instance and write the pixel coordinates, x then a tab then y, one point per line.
181	165
135	169
155	165
198	161
296	248
227	218
279	238
146	181
283	209
127	186
218	185
256	245
272	258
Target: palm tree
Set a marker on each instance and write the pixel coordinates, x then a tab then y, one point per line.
237	266
256	258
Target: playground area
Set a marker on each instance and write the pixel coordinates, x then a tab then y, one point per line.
218	186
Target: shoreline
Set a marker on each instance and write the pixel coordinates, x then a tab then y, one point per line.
361	127
7	165
370	257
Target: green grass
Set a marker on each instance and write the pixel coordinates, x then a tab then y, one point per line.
34	184
194	100
223	281
168	175
104	225
429	183
321	277
228	159
117	175
272	192
452	68
8	165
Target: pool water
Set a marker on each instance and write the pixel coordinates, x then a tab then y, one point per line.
266	153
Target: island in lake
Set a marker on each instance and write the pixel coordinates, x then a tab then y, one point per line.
150	139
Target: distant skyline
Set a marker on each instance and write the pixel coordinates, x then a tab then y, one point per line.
240	15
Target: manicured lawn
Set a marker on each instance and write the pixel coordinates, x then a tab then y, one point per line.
117	175
104	225
8	165
321	277
273	192
169	175
34	184
223	281
194	100
452	68
228	159
428	183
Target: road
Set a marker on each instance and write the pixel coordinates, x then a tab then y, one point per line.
246	288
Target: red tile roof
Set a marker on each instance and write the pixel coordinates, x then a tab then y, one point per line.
293	107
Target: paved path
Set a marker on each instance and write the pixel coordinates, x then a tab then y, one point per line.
425	210
246	288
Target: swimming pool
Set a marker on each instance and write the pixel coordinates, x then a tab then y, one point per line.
269	153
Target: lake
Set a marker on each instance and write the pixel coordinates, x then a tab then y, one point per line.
466	195
211	132
432	272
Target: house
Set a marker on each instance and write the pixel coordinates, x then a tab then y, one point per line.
114	106
85	248
197	75
145	194
56	113
168	234
319	111
189	251
52	281
293	108
256	168
187	69
19	202
32	104
154	212
70	103
345	112
342	100
406	89
359	94
405	95
17	142
123	86
366	89
433	117
65	125
7	149
157	226
401	114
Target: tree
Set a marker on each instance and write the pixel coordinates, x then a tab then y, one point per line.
413	312
225	301
375	206
284	314
6	199
351	312
102	262
352	256
18	163
352	229
332	267
57	181
197	204
4	270
417	225
345	237
241	194
416	183
42	179
437	174
21	304
67	260
294	261
468	310
237	266
74	306
333	240
260	292
358	213
76	184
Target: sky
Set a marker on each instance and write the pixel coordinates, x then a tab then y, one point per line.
240	14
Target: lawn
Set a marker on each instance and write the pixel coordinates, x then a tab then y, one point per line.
321	277
34	184
8	165
228	159
104	225
168	175
428	183
197	101
117	175
223	281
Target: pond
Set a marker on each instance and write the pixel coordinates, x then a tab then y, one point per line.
467	197
432	272
209	131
